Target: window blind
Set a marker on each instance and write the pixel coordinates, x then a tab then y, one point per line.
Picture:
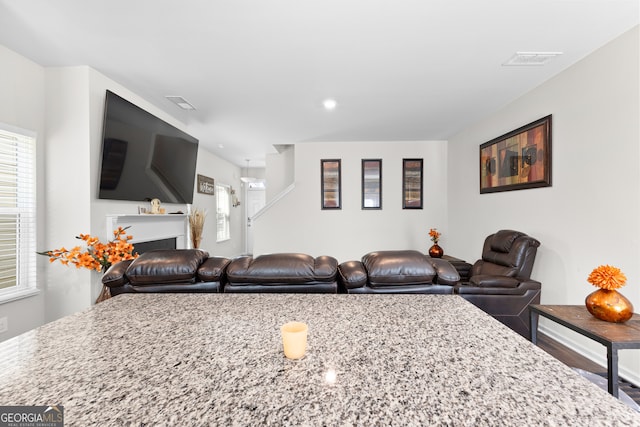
17	213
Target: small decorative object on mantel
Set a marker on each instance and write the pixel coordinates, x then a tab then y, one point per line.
98	256
435	251
155	207
196	223
607	303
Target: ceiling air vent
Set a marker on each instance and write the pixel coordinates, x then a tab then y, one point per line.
531	59
181	102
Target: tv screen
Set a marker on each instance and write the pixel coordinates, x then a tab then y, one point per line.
144	157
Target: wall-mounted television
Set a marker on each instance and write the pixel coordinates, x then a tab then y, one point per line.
144	157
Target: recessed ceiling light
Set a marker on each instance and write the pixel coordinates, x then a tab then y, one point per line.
329	104
181	102
531	58
221	146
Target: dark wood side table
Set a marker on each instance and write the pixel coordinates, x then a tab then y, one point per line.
614	336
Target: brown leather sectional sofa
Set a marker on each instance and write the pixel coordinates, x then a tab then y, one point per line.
499	283
192	270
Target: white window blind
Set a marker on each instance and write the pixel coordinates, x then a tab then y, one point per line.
17	214
223	203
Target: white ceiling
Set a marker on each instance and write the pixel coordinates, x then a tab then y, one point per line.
258	70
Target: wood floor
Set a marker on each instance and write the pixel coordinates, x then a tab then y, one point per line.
576	360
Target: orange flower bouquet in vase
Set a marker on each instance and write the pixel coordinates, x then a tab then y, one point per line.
97	256
607	303
435	251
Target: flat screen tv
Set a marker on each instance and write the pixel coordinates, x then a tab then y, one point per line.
144	157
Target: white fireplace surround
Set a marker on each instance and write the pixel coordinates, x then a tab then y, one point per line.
149	227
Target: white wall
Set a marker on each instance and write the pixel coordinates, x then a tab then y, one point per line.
68	185
22	106
298	224
208	165
222	172
280	171
96	89
65	107
591	214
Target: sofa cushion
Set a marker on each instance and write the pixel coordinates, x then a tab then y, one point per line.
213	269
503	239
488	281
115	276
166	266
282	268
352	275
493	269
447	273
402	267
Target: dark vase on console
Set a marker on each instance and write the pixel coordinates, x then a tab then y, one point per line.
436	251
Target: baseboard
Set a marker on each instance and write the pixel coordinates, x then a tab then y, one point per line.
599	358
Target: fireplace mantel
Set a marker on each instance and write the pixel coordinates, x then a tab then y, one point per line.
148	227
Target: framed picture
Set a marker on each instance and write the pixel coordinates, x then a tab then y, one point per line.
411	183
517	160
206	185
371	183
330	179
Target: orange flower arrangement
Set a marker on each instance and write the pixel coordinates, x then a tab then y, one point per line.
607	277
434	234
98	256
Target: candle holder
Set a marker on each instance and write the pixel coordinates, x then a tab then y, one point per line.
294	339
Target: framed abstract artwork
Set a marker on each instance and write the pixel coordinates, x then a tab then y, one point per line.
411	183
517	160
330	182
371	183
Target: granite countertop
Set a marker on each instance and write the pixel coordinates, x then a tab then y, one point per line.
216	359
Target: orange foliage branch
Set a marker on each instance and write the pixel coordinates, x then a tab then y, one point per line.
97	256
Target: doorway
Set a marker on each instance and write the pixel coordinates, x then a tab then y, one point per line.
255	195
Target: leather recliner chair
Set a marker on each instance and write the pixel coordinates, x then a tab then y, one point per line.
500	282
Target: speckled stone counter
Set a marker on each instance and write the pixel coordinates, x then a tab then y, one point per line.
216	359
